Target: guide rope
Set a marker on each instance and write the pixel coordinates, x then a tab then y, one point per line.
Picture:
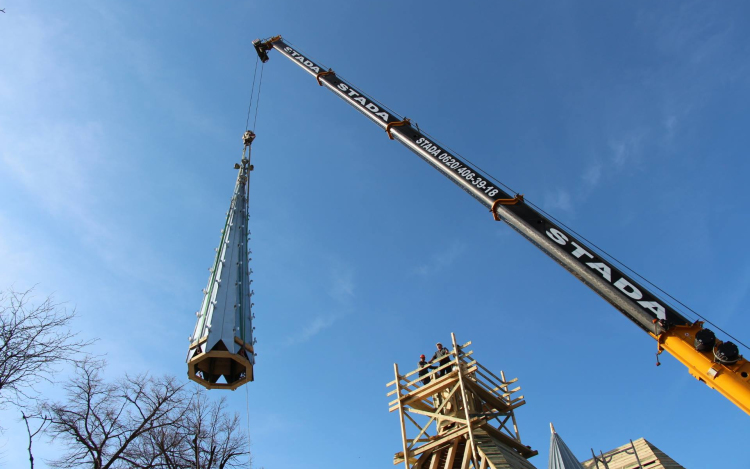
249	440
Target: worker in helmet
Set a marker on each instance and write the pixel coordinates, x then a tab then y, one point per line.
424	368
444	356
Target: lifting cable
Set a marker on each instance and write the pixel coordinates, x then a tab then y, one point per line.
252	92
257	100
601	251
254	96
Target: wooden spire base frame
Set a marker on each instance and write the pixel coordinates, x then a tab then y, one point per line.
208	368
462	418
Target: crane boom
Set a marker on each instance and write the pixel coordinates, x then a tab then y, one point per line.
716	363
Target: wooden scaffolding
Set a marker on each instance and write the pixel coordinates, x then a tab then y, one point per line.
458	416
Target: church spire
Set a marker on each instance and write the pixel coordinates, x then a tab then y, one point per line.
560	456
221	353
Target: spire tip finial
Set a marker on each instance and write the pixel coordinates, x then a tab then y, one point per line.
552	428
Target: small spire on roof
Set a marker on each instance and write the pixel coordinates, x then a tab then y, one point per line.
560	456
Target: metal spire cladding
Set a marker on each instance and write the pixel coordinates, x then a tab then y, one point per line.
221	354
560	456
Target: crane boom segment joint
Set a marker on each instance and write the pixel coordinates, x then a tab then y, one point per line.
323	74
515	200
390	125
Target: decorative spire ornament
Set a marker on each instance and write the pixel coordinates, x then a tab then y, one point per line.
221	353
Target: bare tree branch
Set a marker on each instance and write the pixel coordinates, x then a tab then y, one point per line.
34	340
141	422
100	422
219	439
207	437
31	434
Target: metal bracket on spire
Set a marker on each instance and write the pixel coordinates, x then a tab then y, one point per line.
247	139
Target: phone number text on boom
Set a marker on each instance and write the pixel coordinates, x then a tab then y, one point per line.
458	167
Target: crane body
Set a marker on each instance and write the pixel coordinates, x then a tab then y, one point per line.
716	363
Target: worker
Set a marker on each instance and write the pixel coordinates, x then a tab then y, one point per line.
444	355
424	368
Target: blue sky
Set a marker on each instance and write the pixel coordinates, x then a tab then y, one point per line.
120	123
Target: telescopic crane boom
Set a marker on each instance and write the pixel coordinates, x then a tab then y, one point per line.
716	363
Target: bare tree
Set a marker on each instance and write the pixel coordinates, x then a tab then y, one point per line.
34	339
216	438
161	448
101	422
141	422
207	437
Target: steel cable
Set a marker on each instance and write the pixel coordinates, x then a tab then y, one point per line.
252	92
595	246
257	100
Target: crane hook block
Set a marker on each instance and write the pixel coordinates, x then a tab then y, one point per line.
262	47
515	200
388	127
322	74
248	137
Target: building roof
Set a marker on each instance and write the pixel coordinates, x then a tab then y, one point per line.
632	455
